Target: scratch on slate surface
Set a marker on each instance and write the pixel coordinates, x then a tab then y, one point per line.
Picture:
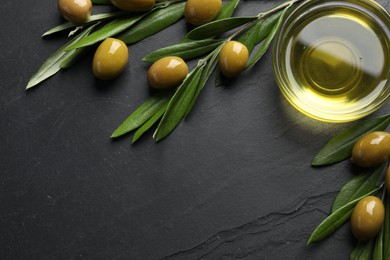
260	226
13	100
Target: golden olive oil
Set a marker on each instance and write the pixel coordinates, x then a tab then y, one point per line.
336	60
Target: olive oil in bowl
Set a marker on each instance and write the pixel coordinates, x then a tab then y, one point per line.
332	58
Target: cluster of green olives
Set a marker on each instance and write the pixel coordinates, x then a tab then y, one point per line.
170	71
111	57
368	215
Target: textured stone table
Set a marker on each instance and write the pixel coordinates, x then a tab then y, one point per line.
233	181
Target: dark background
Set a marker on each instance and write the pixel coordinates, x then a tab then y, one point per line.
233	181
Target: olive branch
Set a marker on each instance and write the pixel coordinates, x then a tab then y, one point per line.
128	27
168	108
370	181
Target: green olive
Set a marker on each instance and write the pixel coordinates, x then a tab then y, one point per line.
372	149
387	180
233	58
77	11
198	12
134	5
367	218
167	72
110	59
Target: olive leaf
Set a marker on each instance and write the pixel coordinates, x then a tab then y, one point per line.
227	10
336	219
386	231
340	146
148	124
267	42
220	79
71	60
112	28
53	64
362	250
92	19
217	27
101	2
358	186
258	32
153	23
178	104
142	114
181	103
185	50
211	64
378	249
178	107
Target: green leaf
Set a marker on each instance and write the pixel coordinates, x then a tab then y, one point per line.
340	146
53	64
148	124
358	186
71	60
142	114
101	2
178	104
362	250
186	50
112	28
267	42
220	79
386	233
378	249
92	19
336	219
227	10
258	32
215	28
211	64
153	23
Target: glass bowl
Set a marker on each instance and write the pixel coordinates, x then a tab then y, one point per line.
332	58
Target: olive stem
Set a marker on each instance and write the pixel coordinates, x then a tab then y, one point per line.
260	16
203	62
71	33
277	9
264	15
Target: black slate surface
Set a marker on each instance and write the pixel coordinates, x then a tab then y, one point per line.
233	181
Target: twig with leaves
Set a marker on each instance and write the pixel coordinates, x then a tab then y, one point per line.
169	108
129	27
368	182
